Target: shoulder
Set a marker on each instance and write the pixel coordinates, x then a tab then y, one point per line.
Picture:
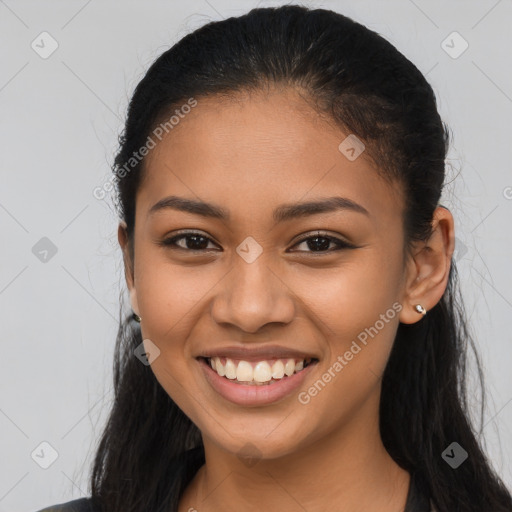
78	505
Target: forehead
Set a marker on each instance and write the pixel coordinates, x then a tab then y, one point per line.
254	149
279	123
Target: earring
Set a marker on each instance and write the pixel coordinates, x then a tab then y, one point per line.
136	317
420	309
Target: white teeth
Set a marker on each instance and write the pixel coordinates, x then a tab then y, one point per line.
289	367
230	369
278	369
219	367
244	371
262	372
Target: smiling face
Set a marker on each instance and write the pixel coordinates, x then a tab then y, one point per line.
252	282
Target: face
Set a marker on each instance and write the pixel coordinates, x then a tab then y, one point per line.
260	287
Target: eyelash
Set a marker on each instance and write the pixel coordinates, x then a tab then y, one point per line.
341	244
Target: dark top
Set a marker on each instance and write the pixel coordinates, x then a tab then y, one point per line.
79	505
417	499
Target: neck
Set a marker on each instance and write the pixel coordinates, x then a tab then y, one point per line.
349	468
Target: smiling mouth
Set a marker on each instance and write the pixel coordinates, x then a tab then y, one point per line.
257	373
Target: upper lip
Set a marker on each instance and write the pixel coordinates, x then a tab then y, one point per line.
257	353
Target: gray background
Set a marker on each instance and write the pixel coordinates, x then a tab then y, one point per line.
59	122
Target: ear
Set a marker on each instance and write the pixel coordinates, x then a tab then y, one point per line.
428	267
122	237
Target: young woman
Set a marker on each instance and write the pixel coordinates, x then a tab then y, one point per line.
297	340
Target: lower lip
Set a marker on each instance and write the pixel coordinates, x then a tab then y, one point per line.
242	394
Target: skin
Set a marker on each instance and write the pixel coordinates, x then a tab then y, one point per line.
249	154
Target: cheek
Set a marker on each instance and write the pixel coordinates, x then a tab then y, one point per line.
345	300
358	343
355	309
170	297
172	303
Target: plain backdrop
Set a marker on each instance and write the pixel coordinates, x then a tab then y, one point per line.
60	266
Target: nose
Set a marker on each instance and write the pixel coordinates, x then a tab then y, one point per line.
253	295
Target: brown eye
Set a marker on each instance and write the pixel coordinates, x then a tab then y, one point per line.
320	243
193	242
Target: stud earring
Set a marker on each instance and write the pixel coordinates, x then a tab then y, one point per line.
136	317
420	309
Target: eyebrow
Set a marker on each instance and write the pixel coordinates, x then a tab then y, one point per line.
282	213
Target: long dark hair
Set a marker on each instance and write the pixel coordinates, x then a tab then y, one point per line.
149	449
